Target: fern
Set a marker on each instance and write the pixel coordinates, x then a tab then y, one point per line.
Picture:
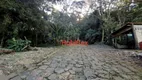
18	45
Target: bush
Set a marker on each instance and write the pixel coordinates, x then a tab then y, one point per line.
92	36
18	45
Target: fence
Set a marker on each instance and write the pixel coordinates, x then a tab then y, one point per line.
76	42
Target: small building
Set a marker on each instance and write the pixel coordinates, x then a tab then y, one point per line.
128	36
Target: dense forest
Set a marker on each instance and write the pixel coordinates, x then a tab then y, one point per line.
38	22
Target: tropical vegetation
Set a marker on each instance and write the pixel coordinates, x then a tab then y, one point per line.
36	22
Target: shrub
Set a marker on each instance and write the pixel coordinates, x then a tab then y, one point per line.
18	45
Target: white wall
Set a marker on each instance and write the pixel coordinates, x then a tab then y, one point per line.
137	29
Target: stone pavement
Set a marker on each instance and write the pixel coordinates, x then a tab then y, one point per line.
85	63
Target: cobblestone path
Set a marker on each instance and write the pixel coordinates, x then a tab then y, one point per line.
85	63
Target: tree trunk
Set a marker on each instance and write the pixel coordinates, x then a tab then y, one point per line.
36	39
102	35
2	40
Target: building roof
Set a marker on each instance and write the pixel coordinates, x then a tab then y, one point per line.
125	29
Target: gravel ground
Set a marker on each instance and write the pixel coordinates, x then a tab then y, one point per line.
93	62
